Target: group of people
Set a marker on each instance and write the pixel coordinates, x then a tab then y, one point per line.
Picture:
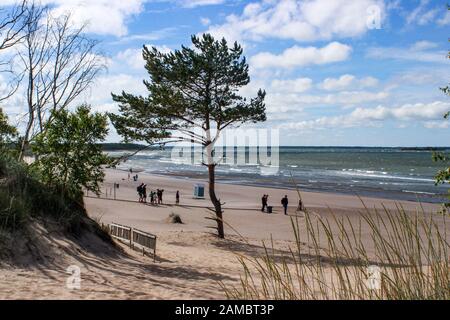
284	203
155	197
135	177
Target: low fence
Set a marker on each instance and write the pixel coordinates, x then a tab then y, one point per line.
144	241
134	238
122	233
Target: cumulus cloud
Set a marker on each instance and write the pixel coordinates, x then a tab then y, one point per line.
429	114
299	20
106	17
347	80
302	56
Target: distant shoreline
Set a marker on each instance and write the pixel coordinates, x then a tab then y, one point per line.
135	147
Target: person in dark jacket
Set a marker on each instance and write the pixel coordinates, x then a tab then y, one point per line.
140	191
265	201
152	197
177	197
285	203
144	193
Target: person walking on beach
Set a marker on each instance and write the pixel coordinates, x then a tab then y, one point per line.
264	200
139	191
130	172
177	197
300	205
152	197
159	194
285	202
144	193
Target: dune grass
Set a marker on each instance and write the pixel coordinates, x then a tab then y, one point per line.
405	258
23	196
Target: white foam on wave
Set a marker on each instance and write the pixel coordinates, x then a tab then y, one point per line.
380	174
420	192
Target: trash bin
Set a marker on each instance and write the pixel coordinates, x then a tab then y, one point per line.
269	209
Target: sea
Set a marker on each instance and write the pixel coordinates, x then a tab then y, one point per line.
391	173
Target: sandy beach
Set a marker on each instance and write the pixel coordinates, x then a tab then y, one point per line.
191	261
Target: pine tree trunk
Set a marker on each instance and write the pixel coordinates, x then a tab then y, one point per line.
215	201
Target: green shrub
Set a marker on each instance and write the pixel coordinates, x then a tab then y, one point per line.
22	195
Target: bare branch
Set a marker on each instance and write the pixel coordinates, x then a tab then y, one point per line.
60	63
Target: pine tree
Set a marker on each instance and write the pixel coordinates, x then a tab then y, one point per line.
189	90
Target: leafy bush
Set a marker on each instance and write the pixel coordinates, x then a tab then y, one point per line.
68	152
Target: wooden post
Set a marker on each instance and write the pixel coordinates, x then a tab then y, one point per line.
131	238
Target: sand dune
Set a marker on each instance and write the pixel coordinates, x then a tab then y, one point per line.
191	261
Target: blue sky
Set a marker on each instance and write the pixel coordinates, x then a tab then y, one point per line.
336	72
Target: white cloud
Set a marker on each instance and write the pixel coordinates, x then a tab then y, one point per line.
443	124
421	76
445	20
302	56
416	52
338	84
429	114
421	15
423	45
100	94
198	3
299	20
293	86
205	21
132	57
107	17
347	80
146	37
287	101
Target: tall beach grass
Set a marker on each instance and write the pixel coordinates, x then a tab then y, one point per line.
402	256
